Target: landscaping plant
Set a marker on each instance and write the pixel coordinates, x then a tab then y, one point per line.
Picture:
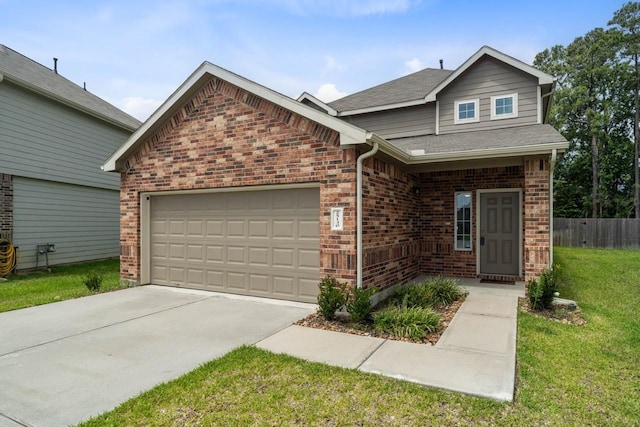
408	322
331	296
93	282
541	291
359	304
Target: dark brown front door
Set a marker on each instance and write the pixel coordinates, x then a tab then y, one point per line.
500	233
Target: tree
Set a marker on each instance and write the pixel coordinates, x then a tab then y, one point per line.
627	20
586	111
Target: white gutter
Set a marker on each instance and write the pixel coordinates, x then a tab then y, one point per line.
361	159
552	166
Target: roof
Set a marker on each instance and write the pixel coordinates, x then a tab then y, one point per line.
349	134
519	140
404	90
422	87
19	69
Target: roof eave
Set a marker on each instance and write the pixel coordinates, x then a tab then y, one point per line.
385	107
543	78
308	97
25	84
452	156
349	134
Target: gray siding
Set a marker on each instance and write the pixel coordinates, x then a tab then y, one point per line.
43	139
82	222
487	78
410	121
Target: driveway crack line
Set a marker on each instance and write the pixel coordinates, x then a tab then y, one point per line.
15	420
371	354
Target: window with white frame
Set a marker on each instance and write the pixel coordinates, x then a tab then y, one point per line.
504	106
463	221
466	111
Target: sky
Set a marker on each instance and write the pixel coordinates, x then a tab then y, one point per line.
134	54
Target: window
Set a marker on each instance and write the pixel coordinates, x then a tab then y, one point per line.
466	111
463	221
504	106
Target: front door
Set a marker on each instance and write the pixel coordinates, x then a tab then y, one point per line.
500	233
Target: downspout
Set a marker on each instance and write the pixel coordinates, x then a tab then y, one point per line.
552	167
359	162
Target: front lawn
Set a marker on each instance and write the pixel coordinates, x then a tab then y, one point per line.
567	375
63	282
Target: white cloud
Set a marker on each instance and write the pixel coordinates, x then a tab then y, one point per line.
329	92
140	108
347	7
413	65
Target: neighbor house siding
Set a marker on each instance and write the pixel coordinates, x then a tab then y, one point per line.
398	123
43	139
487	78
225	137
437	215
6	206
81	221
391	225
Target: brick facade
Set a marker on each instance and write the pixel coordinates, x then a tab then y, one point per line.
391	225
437	221
6	206
227	137
537	244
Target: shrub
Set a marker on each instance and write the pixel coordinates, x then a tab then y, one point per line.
443	291
93	282
436	292
332	296
359	304
412	322
541	291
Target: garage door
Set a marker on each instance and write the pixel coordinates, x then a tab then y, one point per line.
260	243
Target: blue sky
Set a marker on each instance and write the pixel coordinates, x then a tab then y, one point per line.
134	54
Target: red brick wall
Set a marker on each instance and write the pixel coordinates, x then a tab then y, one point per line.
6	206
391	225
437	215
536	216
227	137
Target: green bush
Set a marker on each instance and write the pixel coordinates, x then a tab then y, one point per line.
359	304
93	282
541	291
409	322
331	296
443	291
436	292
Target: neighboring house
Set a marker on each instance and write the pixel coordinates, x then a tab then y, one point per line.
233	187
54	135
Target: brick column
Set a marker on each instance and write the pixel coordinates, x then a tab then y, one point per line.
6	206
537	243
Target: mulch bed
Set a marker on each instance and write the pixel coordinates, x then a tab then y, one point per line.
557	314
316	320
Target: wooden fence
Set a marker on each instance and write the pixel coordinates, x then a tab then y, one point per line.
609	233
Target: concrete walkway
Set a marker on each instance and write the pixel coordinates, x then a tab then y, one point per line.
475	355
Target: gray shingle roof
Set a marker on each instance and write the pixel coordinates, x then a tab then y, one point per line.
22	70
512	137
408	88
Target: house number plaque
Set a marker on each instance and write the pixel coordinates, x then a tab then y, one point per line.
337	216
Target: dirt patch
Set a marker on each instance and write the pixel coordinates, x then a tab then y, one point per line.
316	320
557	313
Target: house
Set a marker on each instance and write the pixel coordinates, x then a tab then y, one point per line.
233	187
56	205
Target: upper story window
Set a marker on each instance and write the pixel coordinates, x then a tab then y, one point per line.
466	111
504	106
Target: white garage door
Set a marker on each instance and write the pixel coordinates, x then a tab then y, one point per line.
260	243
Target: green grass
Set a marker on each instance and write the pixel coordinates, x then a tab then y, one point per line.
63	282
567	375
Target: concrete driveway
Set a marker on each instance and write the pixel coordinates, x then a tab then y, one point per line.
65	362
